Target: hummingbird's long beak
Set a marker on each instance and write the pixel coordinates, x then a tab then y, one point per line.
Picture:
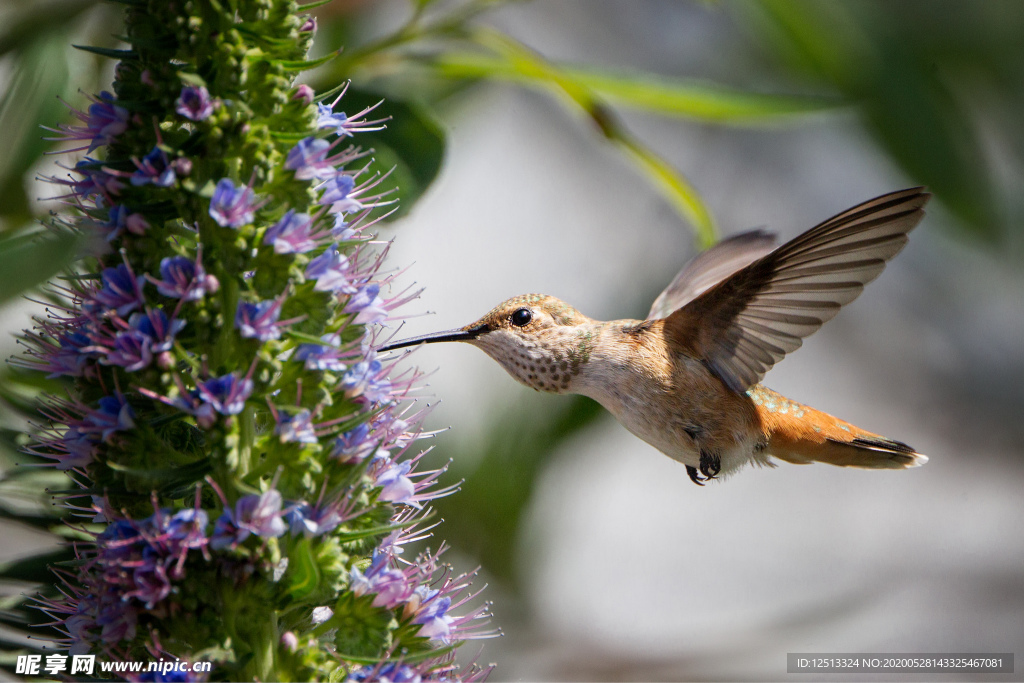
461	334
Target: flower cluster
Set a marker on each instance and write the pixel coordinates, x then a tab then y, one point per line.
248	463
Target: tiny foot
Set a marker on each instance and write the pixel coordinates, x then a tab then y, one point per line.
710	465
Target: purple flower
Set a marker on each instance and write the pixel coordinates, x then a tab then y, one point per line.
154	168
68	357
80	450
396	486
363	380
95	181
356	445
132	351
106	120
151	582
337	192
326	118
252	514
295	428
367	304
309	160
121	292
292	234
341	230
324	356
231	206
194	103
103	121
186	529
113	415
391	585
259	320
392	672
331	270
120	219
156	326
226	394
315	521
183	278
436	624
346	125
304	94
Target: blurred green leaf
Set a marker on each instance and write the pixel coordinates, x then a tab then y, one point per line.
40	75
672	97
36	568
411	147
30	260
893	61
484	519
40	19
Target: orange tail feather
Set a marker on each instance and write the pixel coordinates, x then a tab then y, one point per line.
799	434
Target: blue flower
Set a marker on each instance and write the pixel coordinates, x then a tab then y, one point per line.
356	445
231	206
436	624
367	304
308	158
396	486
296	428
156	326
184	278
154	168
121	292
259	320
332	272
226	394
324	356
326	118
363	380
337	192
258	515
132	351
113	415
292	234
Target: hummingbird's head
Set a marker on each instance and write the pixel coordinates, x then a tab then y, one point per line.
538	339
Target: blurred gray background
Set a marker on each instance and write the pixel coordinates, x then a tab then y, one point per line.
604	561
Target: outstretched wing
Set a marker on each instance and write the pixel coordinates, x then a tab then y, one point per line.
709	268
748	322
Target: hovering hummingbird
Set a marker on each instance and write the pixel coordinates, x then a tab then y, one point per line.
685	380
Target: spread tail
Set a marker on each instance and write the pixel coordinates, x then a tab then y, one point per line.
799	434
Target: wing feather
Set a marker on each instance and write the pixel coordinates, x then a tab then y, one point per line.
751	319
709	268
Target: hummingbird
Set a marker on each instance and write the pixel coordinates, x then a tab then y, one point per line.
687	379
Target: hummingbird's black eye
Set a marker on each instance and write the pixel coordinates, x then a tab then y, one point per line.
522	317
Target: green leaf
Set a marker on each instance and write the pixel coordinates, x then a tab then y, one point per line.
914	90
360	628
29	260
306	64
121	55
689	99
303	570
36	568
43	18
39	75
676	188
